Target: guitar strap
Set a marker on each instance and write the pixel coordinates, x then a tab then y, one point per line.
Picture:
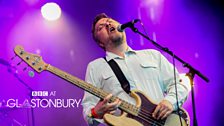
119	74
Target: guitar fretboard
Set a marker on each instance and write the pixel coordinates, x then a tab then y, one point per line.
125	106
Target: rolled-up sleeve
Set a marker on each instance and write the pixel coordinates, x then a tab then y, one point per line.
167	73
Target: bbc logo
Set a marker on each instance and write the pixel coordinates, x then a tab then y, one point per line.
39	93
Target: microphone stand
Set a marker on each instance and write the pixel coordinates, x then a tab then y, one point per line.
190	74
30	95
10	67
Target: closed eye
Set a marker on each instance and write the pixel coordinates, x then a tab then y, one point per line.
100	27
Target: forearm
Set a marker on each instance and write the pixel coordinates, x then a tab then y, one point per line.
89	101
182	92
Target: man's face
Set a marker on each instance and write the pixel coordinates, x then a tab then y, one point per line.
106	32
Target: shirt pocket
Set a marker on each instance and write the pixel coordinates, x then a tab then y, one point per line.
150	70
149	65
109	81
107	74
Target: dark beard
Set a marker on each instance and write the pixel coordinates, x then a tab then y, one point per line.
117	40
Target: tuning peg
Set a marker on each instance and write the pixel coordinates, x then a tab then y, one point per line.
13	57
21	52
19	63
27	57
25	68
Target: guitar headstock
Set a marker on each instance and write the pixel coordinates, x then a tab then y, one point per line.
33	60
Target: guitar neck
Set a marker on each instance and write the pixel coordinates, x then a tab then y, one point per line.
125	106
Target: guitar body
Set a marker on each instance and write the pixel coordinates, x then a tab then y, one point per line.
144	117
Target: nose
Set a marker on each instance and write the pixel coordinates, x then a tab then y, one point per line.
107	24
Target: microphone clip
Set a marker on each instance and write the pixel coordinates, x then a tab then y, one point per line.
129	24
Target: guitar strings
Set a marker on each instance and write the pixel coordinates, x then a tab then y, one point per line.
149	118
148	114
150	122
144	113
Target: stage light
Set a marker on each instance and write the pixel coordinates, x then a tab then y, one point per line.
51	11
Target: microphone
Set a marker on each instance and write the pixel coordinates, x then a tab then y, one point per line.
129	24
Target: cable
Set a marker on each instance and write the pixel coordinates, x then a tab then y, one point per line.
175	82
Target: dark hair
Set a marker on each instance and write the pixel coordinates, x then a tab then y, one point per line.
96	19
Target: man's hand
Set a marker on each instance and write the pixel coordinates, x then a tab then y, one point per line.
103	107
163	109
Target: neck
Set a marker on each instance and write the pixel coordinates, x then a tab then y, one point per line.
119	50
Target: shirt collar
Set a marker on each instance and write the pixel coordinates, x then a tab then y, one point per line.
110	55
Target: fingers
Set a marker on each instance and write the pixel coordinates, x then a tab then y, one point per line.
166	114
162	110
104	106
114	105
165	111
156	111
112	112
106	99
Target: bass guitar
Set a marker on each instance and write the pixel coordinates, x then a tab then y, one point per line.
132	115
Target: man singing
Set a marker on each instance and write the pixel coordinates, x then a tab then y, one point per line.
146	70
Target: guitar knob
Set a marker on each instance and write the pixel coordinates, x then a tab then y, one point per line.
180	112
